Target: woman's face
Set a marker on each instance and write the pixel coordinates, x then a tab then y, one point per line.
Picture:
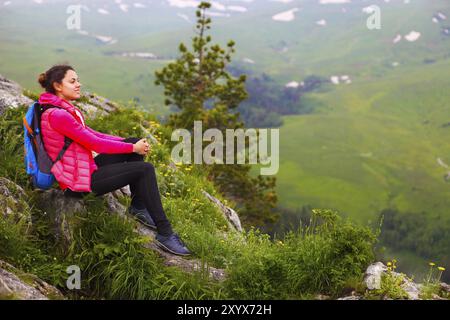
69	88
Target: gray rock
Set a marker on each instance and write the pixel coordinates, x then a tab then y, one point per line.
96	105
90	110
372	277
188	265
436	297
114	206
411	288
230	215
122	192
445	287
15	284
11	95
13	201
350	298
60	211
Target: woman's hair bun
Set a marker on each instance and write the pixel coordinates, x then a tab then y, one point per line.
43	80
52	75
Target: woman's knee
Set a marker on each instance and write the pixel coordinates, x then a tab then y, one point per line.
131	140
134	156
149	166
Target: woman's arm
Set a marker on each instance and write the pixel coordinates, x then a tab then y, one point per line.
64	123
104	135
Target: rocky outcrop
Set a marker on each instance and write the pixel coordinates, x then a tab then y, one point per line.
15	284
230	215
11	95
373	278
13	202
187	265
62	209
95	105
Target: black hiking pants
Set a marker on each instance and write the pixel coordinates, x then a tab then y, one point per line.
119	170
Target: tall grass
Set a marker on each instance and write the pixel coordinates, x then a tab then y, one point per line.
11	146
318	258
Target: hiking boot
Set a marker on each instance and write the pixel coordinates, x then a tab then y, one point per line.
143	216
172	244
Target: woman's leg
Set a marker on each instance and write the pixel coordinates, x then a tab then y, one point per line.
104	159
142	175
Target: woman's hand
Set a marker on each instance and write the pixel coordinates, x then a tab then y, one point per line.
141	147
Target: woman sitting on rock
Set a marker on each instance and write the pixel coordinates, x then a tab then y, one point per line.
120	161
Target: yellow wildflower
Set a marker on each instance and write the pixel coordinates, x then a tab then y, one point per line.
432	264
441	268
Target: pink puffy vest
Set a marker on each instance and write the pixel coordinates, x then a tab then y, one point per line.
77	164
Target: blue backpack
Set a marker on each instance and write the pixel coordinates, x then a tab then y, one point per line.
37	161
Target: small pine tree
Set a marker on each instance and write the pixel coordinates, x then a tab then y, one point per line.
199	85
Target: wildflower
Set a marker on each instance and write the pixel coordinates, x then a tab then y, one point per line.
432	264
441	268
389	264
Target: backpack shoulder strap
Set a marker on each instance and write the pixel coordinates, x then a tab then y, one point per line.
67	140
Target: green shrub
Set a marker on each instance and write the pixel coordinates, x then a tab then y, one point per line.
432	284
11	146
320	258
24	251
116	265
